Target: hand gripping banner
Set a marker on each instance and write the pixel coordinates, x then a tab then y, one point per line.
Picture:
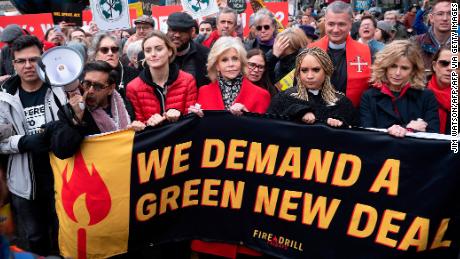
282	188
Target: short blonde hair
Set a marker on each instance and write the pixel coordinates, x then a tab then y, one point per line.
222	45
390	55
297	38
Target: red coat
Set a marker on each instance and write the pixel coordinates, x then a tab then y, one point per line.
255	98
180	95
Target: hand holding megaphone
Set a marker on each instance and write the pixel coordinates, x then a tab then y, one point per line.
77	102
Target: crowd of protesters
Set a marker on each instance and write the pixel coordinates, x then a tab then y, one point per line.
333	66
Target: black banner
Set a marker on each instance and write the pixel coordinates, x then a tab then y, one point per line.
293	190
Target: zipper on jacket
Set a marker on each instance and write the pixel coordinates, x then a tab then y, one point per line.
162	93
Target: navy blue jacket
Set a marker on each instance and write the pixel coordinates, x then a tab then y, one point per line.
377	109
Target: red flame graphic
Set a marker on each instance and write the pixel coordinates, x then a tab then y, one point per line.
81	182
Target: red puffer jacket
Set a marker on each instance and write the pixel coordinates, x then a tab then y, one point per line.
148	98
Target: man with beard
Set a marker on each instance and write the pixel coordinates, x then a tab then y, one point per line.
191	57
439	33
226	23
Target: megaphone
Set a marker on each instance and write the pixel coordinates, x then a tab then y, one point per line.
61	67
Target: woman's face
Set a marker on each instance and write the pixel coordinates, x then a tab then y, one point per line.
378	35
255	68
156	52
229	64
312	75
399	73
108	51
367	29
442	69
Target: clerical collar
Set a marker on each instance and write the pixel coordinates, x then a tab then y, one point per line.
314	91
337	46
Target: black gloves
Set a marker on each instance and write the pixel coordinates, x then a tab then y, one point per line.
36	143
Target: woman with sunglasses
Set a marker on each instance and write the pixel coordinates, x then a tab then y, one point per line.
161	92
314	98
440	84
107	47
398	100
256	71
265	31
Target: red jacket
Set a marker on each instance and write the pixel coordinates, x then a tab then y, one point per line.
145	96
255	98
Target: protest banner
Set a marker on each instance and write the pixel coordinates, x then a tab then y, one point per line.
110	15
285	189
160	15
38	24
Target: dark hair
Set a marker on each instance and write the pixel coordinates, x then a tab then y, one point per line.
26	41
211	21
438	53
101	66
370	17
385	35
264	81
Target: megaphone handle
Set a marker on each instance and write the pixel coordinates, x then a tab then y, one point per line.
82	105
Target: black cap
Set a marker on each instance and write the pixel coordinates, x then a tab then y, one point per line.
180	21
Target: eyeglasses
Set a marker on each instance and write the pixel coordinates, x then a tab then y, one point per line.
441	14
443	63
143	27
253	66
86	84
105	50
23	61
266	27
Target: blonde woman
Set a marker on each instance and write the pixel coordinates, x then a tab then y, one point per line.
281	60
229	88
398	100
314	98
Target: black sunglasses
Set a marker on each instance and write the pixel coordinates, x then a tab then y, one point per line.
86	84
105	50
266	27
443	63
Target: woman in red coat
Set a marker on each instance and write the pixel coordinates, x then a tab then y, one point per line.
161	91
230	90
440	84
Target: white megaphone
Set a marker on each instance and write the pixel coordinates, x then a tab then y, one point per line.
61	67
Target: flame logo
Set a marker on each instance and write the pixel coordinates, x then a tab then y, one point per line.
98	201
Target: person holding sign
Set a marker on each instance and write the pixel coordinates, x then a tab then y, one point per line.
398	100
162	92
314	99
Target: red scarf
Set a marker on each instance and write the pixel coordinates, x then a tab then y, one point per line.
443	97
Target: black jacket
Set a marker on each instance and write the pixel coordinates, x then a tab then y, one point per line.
378	111
125	75
194	63
280	66
254	44
6	59
285	104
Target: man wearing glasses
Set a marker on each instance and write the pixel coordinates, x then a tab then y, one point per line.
27	104
266	27
95	107
438	34
144	25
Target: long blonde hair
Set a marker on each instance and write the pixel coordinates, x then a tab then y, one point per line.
328	92
390	55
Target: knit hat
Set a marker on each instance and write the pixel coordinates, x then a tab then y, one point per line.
11	32
385	26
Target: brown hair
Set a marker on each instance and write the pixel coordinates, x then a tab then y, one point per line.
169	44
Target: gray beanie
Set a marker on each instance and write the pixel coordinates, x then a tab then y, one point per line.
385	26
11	32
